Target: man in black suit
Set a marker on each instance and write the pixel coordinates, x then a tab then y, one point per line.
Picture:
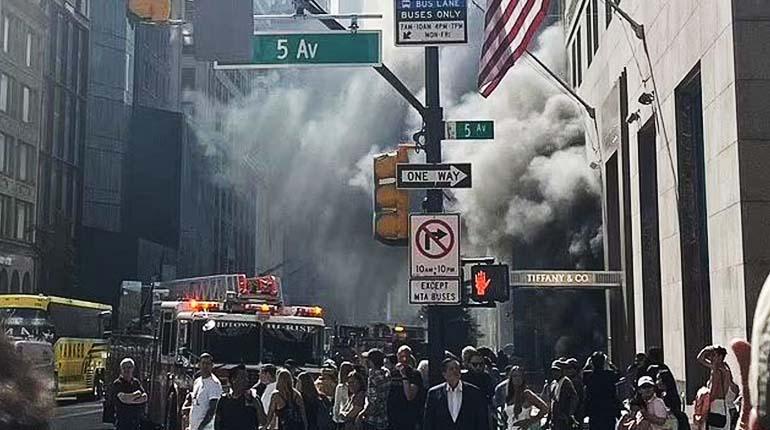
455	405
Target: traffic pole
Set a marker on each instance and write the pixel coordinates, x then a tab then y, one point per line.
434	201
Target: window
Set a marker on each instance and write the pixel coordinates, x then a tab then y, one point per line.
29	49
6	154
574	64
79	322
648	203
4	92
26	164
6	34
25	102
589	34
693	224
595	23
22	162
579	59
23	221
6	219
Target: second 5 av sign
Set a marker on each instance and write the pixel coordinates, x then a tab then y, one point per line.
431	176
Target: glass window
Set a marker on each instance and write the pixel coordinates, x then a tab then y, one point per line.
6	33
8	155
20	220
23	161
2	151
4	92
25	101
29	49
6	220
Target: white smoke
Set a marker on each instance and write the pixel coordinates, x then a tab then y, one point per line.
314	132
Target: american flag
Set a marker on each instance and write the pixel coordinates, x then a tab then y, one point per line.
509	27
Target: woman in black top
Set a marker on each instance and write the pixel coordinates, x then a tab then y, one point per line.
286	404
317	406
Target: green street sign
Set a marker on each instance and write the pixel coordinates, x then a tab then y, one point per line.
313	49
469	130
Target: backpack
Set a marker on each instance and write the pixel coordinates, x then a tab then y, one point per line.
324	417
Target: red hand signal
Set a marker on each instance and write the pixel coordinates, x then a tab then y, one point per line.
482	283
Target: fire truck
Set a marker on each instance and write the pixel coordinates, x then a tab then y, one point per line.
166	326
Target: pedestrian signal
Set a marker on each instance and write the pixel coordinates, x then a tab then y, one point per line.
490	283
391	205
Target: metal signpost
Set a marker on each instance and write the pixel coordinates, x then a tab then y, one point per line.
431	176
469	130
431	22
313	49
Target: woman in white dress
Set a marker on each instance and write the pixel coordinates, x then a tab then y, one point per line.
523	408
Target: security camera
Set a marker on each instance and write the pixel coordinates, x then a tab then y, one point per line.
633	117
647	98
594	165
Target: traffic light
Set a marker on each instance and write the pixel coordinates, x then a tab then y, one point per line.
490	283
151	10
391	205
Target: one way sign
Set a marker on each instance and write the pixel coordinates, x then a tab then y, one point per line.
431	176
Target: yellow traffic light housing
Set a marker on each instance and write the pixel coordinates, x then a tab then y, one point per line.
151	10
391	205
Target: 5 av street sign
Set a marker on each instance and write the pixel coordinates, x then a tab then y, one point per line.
431	22
432	176
313	49
469	130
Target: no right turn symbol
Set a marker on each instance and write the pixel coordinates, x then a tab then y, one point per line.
434	239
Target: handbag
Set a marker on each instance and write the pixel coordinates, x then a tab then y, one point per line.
715	419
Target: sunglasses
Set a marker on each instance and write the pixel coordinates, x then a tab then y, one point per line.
477	364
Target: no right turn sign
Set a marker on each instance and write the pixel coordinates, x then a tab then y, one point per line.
434	246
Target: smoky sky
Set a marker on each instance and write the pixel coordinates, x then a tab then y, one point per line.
313	132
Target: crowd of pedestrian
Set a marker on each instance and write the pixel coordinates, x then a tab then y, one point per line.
481	391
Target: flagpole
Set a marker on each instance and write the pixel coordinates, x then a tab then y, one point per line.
590	109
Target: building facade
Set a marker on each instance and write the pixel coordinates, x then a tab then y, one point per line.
60	177
22	40
683	137
219	191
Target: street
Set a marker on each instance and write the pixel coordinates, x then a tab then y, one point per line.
71	414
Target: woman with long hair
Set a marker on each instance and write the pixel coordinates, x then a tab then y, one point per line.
286	403
317	406
666	388
356	398
521	403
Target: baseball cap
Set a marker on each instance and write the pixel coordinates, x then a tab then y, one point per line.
374	354
645	380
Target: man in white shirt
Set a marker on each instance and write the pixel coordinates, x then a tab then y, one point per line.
205	394
455	405
267	376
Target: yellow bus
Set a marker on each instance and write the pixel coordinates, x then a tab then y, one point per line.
75	328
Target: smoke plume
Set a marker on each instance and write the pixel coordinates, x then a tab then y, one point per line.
313	132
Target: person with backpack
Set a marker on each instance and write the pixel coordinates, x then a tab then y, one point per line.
286	404
318	407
